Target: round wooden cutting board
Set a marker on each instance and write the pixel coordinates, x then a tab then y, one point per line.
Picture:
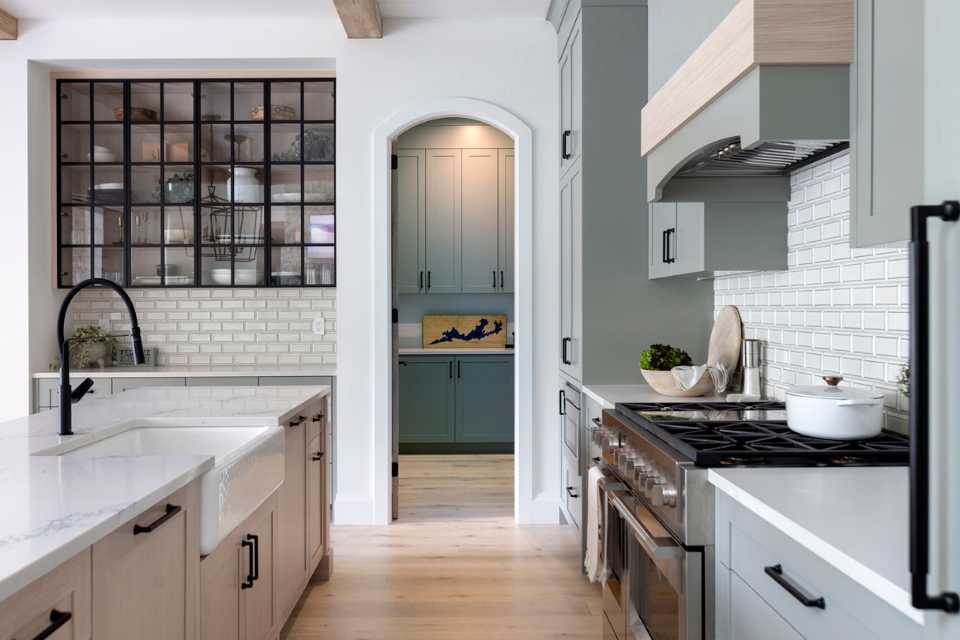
725	339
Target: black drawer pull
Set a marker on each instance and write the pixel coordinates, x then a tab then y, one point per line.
57	620
296	422
317	417
170	511
572	493
248	581
776	572
563	403
563	350
256	555
564	150
317	457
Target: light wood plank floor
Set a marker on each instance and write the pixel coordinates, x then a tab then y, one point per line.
453	566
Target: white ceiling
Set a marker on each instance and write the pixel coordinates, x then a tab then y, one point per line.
475	9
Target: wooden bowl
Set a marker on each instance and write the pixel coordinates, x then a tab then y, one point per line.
277	112
663	383
137	114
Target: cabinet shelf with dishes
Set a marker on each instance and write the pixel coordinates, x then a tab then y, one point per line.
197	183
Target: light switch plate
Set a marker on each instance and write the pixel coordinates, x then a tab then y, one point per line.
318	326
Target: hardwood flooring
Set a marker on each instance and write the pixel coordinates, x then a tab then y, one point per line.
453	566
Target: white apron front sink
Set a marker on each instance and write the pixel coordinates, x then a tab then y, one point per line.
248	466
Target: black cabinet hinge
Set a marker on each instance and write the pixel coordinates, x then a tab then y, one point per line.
396	316
395	470
394	162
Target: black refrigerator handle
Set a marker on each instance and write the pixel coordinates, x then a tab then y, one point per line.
919	407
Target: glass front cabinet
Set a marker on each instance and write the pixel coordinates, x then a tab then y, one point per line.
197	183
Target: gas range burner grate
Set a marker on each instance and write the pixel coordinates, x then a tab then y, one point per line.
726	442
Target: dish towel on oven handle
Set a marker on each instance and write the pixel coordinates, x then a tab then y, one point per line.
594	561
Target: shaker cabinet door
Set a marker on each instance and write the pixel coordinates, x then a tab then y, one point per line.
663	226
410	219
505	220
427	399
443	215
479	221
484	399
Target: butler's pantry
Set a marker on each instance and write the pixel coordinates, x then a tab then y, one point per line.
453	221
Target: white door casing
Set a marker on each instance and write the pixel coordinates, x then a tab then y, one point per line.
526	508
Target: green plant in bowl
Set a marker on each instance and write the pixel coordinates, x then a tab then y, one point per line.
663	357
90	345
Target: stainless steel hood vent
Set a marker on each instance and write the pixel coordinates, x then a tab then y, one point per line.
726	158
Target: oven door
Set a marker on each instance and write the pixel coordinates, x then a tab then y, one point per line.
658	583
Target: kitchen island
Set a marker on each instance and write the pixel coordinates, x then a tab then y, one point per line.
65	510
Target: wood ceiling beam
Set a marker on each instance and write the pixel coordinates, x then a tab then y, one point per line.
360	18
8	26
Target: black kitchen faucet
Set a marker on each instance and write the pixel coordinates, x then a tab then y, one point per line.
68	395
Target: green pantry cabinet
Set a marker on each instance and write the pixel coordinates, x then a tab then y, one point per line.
456	404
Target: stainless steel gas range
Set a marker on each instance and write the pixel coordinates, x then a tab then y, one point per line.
658	508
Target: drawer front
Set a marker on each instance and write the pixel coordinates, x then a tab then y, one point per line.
571	489
126	384
48	390
753	619
613	609
57	604
773	565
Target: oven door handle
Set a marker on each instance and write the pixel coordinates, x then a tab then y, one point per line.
657	548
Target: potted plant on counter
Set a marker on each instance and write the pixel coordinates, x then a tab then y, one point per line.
89	347
655	365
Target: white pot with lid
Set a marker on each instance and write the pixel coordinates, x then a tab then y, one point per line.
834	412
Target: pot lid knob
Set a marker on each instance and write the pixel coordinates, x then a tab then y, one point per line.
833	381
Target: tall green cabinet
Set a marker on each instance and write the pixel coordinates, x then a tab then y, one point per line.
456	404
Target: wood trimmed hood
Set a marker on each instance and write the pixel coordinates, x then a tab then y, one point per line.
768	88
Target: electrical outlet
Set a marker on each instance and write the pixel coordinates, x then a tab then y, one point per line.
318	326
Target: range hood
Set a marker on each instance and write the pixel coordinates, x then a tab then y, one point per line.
767	92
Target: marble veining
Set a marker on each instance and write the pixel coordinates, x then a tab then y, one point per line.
56	506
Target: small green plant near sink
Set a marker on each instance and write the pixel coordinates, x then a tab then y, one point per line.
90	345
663	357
903	380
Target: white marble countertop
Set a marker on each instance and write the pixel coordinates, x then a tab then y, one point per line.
607	395
410	351
856	519
212	371
55	507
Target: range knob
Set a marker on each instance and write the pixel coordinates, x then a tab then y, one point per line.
664	494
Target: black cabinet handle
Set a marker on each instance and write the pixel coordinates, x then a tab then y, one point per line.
564	138
170	511
776	572
572	493
450	363
57	620
421	279
296	422
663	247
256	555
948	601
458	370
317	457
494	272
429	280
501	279
563	350
402	363
670	258
563	403
317	417
248	581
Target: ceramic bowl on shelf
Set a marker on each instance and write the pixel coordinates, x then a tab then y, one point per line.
102	154
221	276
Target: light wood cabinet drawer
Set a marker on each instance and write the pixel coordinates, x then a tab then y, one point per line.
58	604
792	580
146	573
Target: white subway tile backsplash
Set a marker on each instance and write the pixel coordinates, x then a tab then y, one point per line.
222	326
835	309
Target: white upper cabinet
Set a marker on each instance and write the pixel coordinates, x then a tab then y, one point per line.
443	220
571	100
886	128
410	213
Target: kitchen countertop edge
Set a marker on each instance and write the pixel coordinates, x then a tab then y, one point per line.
213	371
881	586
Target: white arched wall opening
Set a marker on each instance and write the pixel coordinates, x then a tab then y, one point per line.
383	136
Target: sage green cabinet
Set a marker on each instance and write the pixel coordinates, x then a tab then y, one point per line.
484	399
454	211
456	403
886	127
427	399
